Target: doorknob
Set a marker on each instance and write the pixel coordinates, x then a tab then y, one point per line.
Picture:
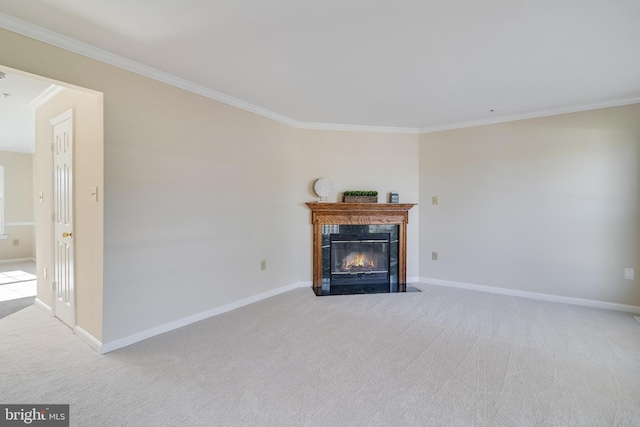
66	234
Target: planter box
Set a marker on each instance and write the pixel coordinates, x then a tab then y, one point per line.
361	199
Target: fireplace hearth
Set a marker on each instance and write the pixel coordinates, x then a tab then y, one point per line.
385	288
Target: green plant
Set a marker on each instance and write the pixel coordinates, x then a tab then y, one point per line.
360	193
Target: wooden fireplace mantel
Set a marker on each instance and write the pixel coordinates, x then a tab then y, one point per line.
359	214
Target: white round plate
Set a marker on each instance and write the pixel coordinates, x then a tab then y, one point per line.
322	187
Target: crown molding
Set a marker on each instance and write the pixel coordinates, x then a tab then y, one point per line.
358	128
50	37
532	115
46	95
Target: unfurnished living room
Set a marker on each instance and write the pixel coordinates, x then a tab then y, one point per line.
286	213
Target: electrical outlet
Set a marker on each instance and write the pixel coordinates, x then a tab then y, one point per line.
44	272
434	200
629	274
16	242
263	264
434	256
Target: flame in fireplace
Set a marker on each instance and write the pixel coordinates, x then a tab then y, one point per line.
358	263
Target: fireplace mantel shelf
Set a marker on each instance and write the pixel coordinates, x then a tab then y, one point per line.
327	206
360	213
323	213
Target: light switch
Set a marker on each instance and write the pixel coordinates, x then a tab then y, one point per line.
41	196
94	193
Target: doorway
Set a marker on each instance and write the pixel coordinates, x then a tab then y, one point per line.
18	286
81	306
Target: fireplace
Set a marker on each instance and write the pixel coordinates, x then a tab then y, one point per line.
359	259
359	247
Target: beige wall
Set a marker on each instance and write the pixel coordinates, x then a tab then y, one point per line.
19	221
547	205
358	161
198	192
88	215
204	191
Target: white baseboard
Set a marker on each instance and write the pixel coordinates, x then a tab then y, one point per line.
132	339
42	306
533	295
93	342
17	260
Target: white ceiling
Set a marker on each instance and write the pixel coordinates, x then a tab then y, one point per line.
412	64
17	117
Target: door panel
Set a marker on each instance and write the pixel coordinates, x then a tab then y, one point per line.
63	238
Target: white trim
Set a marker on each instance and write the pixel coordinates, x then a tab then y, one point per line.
36	32
85	336
93	342
17	224
18	149
42	306
532	115
533	295
17	260
62	117
357	128
30	30
45	96
140	336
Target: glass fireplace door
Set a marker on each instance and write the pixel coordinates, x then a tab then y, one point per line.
359	258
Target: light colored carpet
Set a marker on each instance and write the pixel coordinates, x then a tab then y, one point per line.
11	306
440	357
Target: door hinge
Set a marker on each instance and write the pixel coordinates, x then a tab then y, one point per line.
53	286
53	147
53	216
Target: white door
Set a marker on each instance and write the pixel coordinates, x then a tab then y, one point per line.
63	285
